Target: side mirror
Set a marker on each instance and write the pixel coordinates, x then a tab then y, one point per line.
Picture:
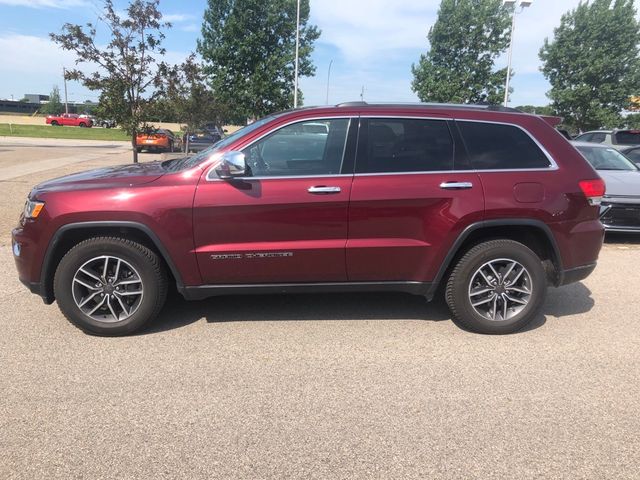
232	164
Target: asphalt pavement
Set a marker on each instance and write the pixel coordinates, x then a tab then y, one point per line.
319	386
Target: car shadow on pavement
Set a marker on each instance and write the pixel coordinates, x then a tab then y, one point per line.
569	300
271	308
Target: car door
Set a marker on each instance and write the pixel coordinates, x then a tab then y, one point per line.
408	204
285	221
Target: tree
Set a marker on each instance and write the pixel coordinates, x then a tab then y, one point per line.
466	40
592	63
248	48
127	74
192	101
543	110
54	106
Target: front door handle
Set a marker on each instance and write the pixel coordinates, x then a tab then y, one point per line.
456	185
322	190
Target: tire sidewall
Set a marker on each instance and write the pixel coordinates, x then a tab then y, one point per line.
85	252
513	251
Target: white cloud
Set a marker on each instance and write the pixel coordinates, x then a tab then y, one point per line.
370	35
63	4
175	17
363	30
34	64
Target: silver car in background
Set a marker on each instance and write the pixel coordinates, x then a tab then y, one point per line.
620	208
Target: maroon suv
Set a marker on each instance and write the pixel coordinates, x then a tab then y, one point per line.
489	203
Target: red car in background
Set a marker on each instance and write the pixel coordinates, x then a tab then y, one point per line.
69	119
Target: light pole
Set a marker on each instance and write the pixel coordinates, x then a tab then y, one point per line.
66	102
295	92
328	78
515	4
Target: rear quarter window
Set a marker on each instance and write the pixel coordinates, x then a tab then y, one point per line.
493	146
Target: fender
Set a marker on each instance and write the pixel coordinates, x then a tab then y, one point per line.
55	239
506	222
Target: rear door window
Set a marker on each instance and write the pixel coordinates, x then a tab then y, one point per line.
598	138
493	146
396	145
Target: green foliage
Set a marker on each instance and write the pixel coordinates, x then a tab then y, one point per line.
592	63
543	110
191	101
128	75
632	121
248	48
467	38
54	106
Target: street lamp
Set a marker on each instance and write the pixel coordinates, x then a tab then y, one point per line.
295	92
513	3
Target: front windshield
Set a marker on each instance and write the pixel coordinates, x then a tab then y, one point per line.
190	162
606	159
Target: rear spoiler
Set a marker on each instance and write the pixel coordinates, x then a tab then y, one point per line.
553	121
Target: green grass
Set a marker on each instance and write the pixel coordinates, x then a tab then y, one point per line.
75	133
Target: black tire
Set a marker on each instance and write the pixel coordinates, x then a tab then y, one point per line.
54	123
82	125
147	264
138	149
459	289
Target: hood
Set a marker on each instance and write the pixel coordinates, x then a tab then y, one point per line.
124	175
621	183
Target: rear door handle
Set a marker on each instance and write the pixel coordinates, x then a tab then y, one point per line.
456	185
322	190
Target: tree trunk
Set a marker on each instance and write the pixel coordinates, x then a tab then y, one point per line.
134	136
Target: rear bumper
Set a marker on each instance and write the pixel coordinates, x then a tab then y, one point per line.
574	275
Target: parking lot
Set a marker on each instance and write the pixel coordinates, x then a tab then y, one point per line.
325	386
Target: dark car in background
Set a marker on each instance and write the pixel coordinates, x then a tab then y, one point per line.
621	204
198	141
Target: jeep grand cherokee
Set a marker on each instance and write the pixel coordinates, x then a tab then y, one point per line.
491	204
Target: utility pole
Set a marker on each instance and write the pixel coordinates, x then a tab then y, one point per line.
362	94
295	92
66	102
328	78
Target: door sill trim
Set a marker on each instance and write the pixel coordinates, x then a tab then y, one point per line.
204	291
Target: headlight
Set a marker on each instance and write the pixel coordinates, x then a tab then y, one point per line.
32	209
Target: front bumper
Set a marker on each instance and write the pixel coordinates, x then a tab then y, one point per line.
24	254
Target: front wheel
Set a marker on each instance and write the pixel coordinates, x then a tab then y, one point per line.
497	287
110	286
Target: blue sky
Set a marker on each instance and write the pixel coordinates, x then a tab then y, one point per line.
372	43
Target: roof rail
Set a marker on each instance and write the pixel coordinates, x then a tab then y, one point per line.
461	106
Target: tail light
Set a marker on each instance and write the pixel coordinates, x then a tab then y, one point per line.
593	190
160	135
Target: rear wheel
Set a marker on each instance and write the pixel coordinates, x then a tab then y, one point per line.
82	125
497	287
110	286
54	123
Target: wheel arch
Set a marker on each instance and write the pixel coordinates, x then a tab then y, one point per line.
71	234
533	233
